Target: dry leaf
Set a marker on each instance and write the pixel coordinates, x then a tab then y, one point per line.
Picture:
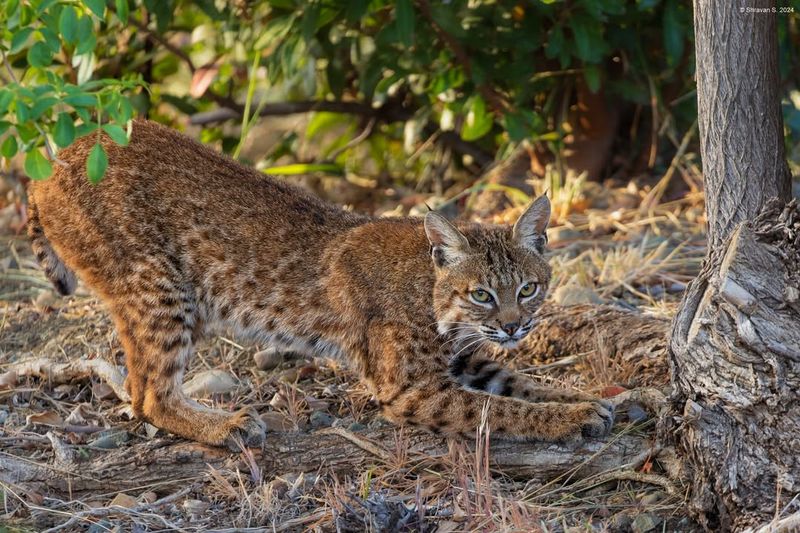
80	415
102	391
8	380
48	418
201	79
279	401
307	371
62	391
611	391
123	500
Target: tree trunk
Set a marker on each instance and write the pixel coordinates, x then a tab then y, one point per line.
739	113
735	343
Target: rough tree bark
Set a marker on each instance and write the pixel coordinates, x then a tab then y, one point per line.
168	464
735	343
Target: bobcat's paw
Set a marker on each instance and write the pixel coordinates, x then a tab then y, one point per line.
245	428
595	418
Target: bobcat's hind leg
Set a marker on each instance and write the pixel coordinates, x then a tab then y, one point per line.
157	340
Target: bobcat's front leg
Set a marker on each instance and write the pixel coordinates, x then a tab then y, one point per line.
483	374
444	406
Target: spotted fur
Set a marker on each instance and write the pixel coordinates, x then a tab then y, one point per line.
180	242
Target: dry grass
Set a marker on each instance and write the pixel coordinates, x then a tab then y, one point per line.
606	248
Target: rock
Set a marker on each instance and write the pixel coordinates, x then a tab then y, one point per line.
645	522
620	522
320	419
636	413
356	427
209	382
677	287
195	507
3	417
268	359
123	500
289	376
276	422
653	498
563	233
103	526
45	299
148	497
379	423
569	295
109	440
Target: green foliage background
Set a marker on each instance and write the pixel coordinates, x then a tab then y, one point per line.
491	72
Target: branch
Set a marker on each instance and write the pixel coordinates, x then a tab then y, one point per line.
155	38
495	99
172	463
233	111
389	112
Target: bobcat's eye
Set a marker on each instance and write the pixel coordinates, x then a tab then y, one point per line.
481	296
528	290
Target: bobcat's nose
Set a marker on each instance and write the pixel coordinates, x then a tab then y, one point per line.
510	328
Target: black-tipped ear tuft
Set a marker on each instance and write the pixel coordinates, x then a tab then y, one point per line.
530	230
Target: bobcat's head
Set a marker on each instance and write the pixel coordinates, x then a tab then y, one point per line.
490	280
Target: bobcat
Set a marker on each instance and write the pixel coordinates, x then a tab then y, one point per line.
180	241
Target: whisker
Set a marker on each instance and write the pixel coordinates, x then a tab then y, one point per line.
467	346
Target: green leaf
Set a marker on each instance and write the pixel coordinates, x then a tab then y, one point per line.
4	125
39	55
64	131
37	167
304	168
19	40
96	163
26	132
41	105
80	100
23	112
323	121
122	10
6	97
43	5
308	23
84	30
515	127
68	24
87	42
84	129
591	73
478	121
404	14
51	39
117	134
590	46
98	7
9	147
673	32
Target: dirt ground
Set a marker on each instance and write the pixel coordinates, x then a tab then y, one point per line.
61	420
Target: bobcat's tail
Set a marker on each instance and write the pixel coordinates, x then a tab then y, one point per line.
57	272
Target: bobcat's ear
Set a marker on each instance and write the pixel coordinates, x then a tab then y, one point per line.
448	245
530	231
